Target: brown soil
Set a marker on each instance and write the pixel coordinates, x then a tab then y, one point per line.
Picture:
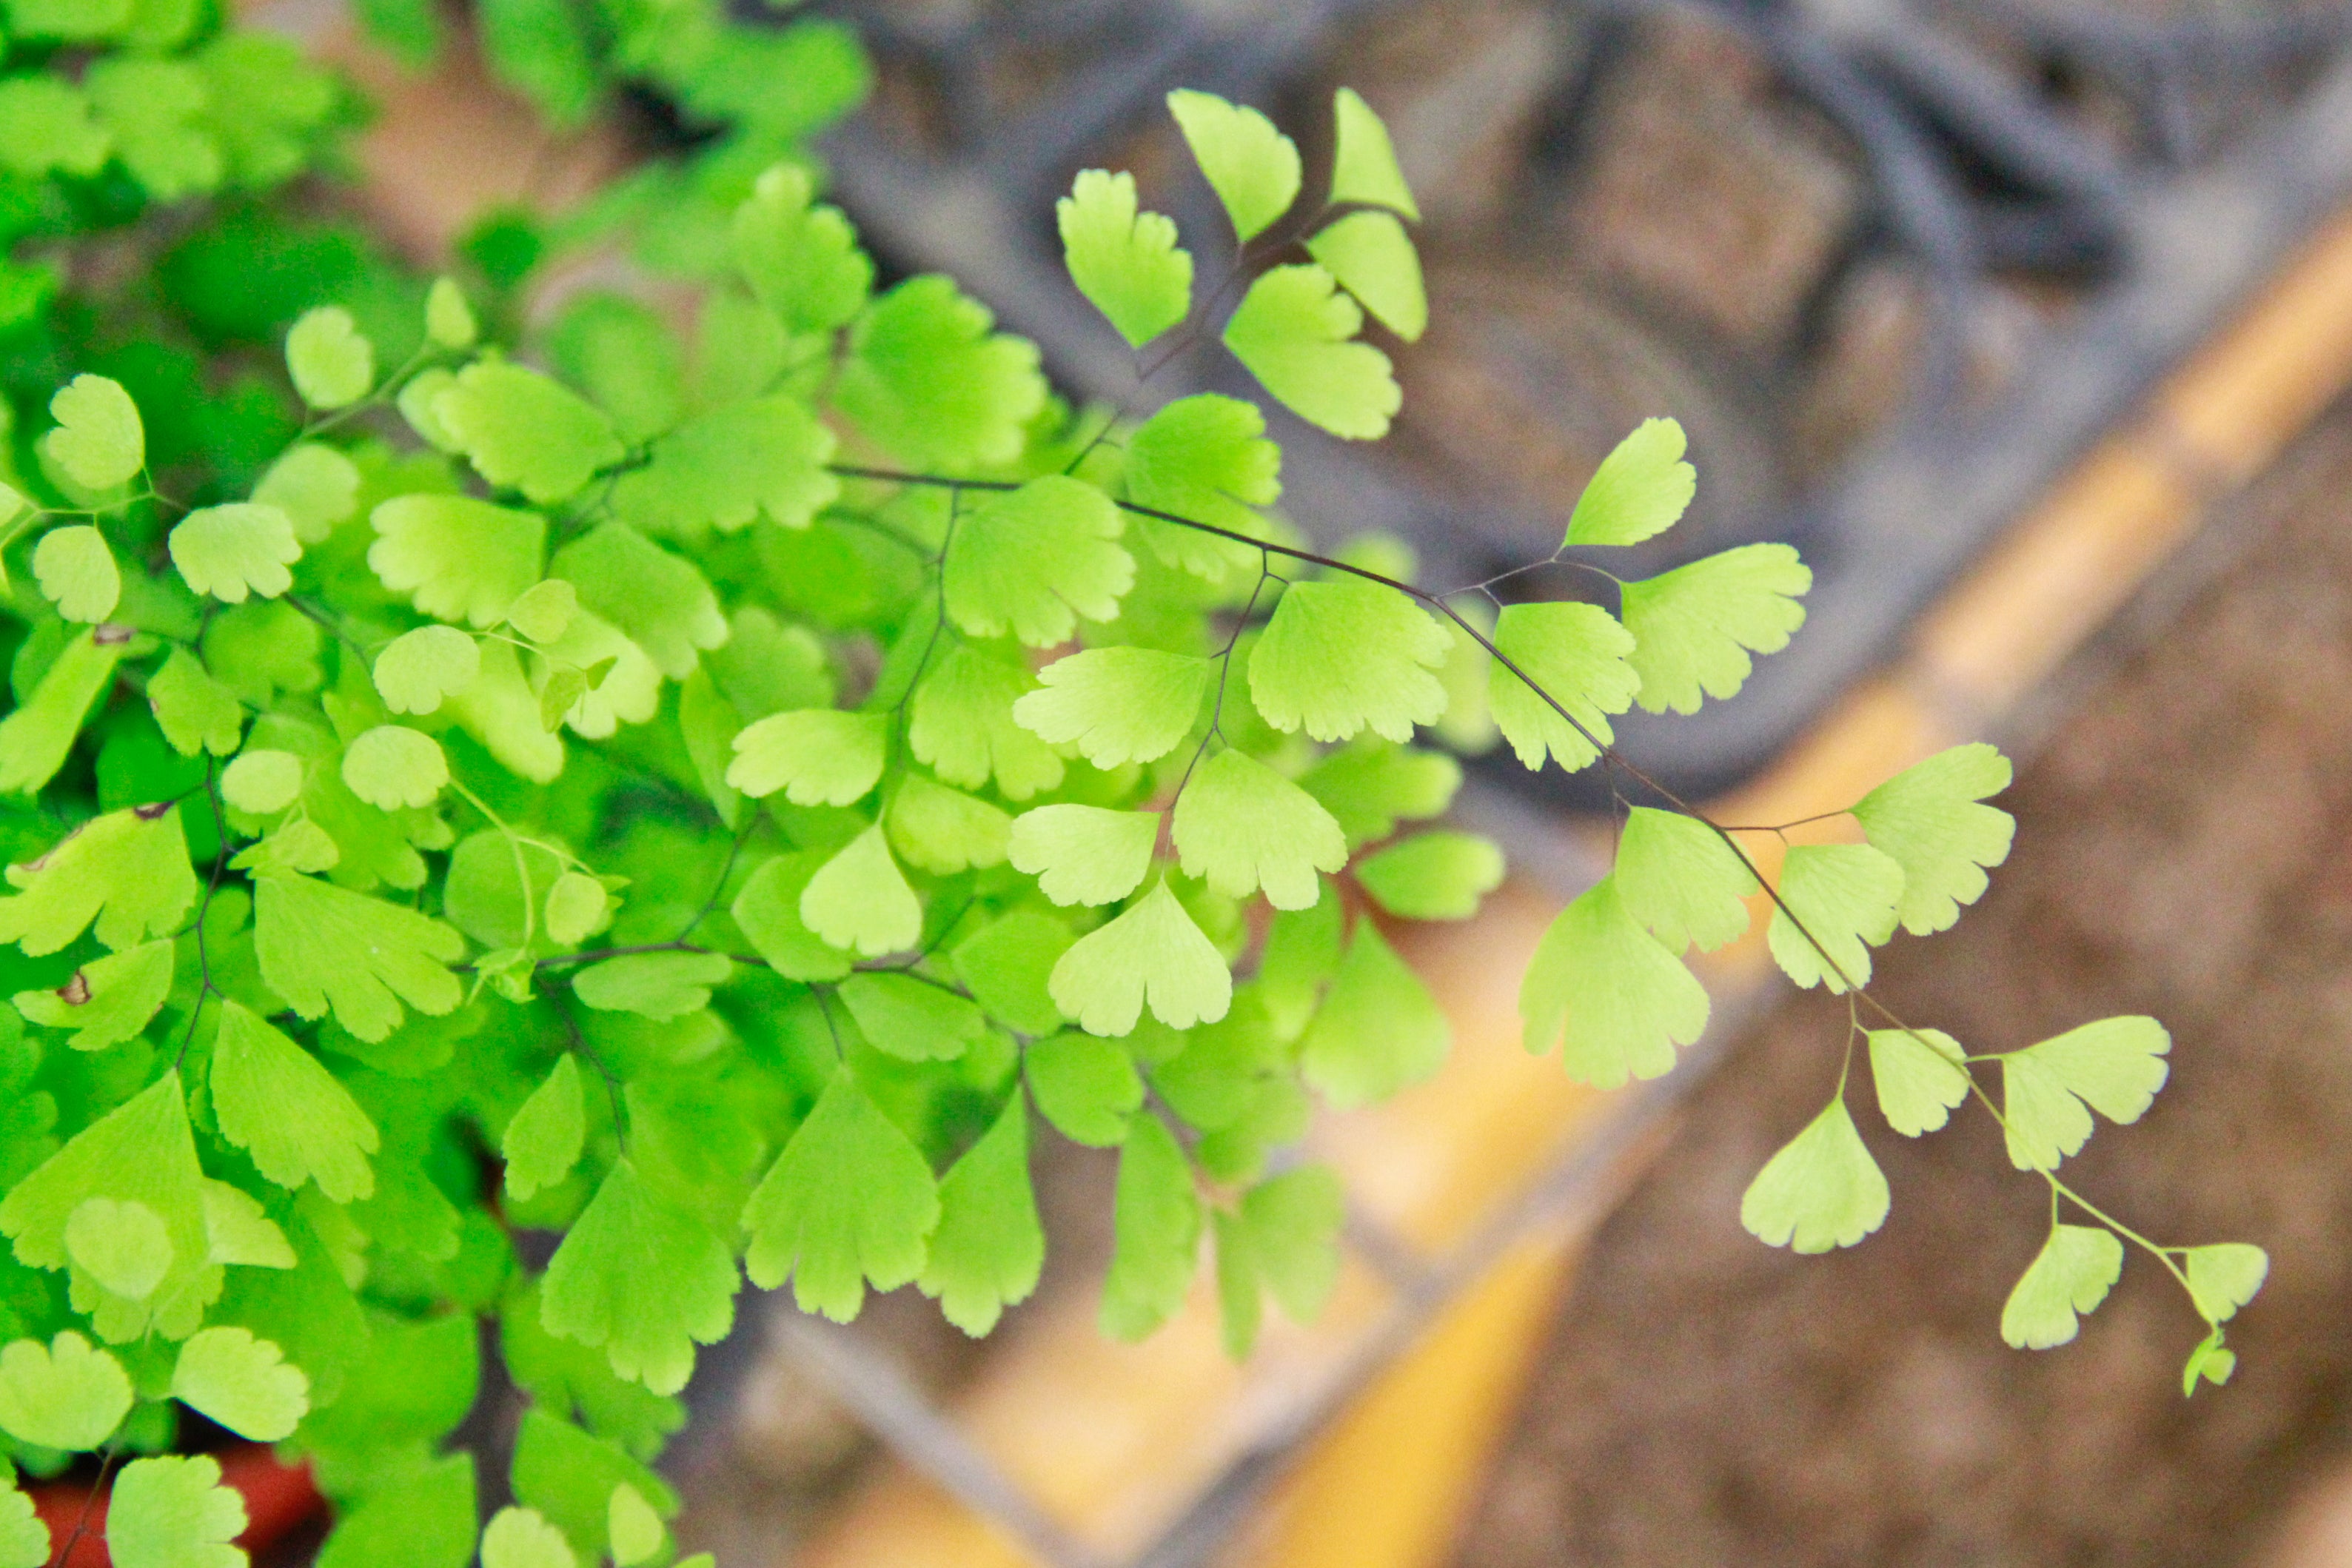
2181	851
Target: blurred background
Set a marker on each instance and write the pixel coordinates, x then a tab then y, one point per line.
2029	322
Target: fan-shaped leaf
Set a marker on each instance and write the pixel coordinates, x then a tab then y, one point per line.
1845	896
1293	330
2069	1277
1034	561
1694	627
1241	826
1927	817
1604	987
1641	489
1117	704
1576	654
1822	1190
1083	853
1151	951
1251	166
1348	655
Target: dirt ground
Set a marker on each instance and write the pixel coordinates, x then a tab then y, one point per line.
2182	851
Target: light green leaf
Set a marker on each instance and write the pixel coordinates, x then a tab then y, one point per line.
1845	895
1620	1001
544	1136
1034	561
99	442
425	1518
127	870
818	756
46	125
1284	1236
415	401
195	711
849	1201
275	1100
1694	627
1300	955
1822	1190
448	319
316	486
659	985
35	739
910	1018
108	1000
523	1538
1641	488
242	1382
1373	259
419	670
332	365
1117	705
1007	964
2209	1361
456	558
1126	262
320	944
2041	1122
174	1513
523	431
731	465
569	1477
1369	785
1378	1028
1293	330
24	1539
635	1527
945	831
990	1246
1155	1233
1083	853
1434	875
2070	1276
262	781
1087	1087
77	572
769	911
1348	655
153	108
64	1395
644	1280
1204	458
1927	817
1251	166
1364	163
392	766
125	1246
962	726
544	611
1153	950
578	907
2225	1276
2116	1064
1576	654
926	378
240	1232
1679	877
801	261
859	901
1920	1077
660	599
502	711
1241	827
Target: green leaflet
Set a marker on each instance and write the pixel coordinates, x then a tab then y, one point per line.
316	486
124	1247
195	711
1087	1087
1364	162
1347	655
523	431
1433	875
1928	820
1373	259
1251	166
578	907
849	1201
152	109
1155	1233
944	830
1117	705
1641	488
962	726
2225	1276
990	1246
1241	826
1083	853
625	357
564	1377
656	598
1378	1028
77	572
2114	1065
108	1000
1301	952
636	1531
63	1395
448	319
419	670
768	910
569	1477
1126	262
242	1382
1284	1236
174	1513
1153	950
456	558
926	378
543	1138
1576	654
1034	561
1293	331
36	737
1920	1076
1204	458
1006	965
1822	1190
658	985
1680	878
1372	784
392	766
332	365
276	1101
262	781
729	466
319	946
24	1539
1617	1000
817	756
801	260
424	1519
501	712
99	441
859	901
523	1537
2069	1277
597	1286
126	871
1695	627
913	1019
1845	896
